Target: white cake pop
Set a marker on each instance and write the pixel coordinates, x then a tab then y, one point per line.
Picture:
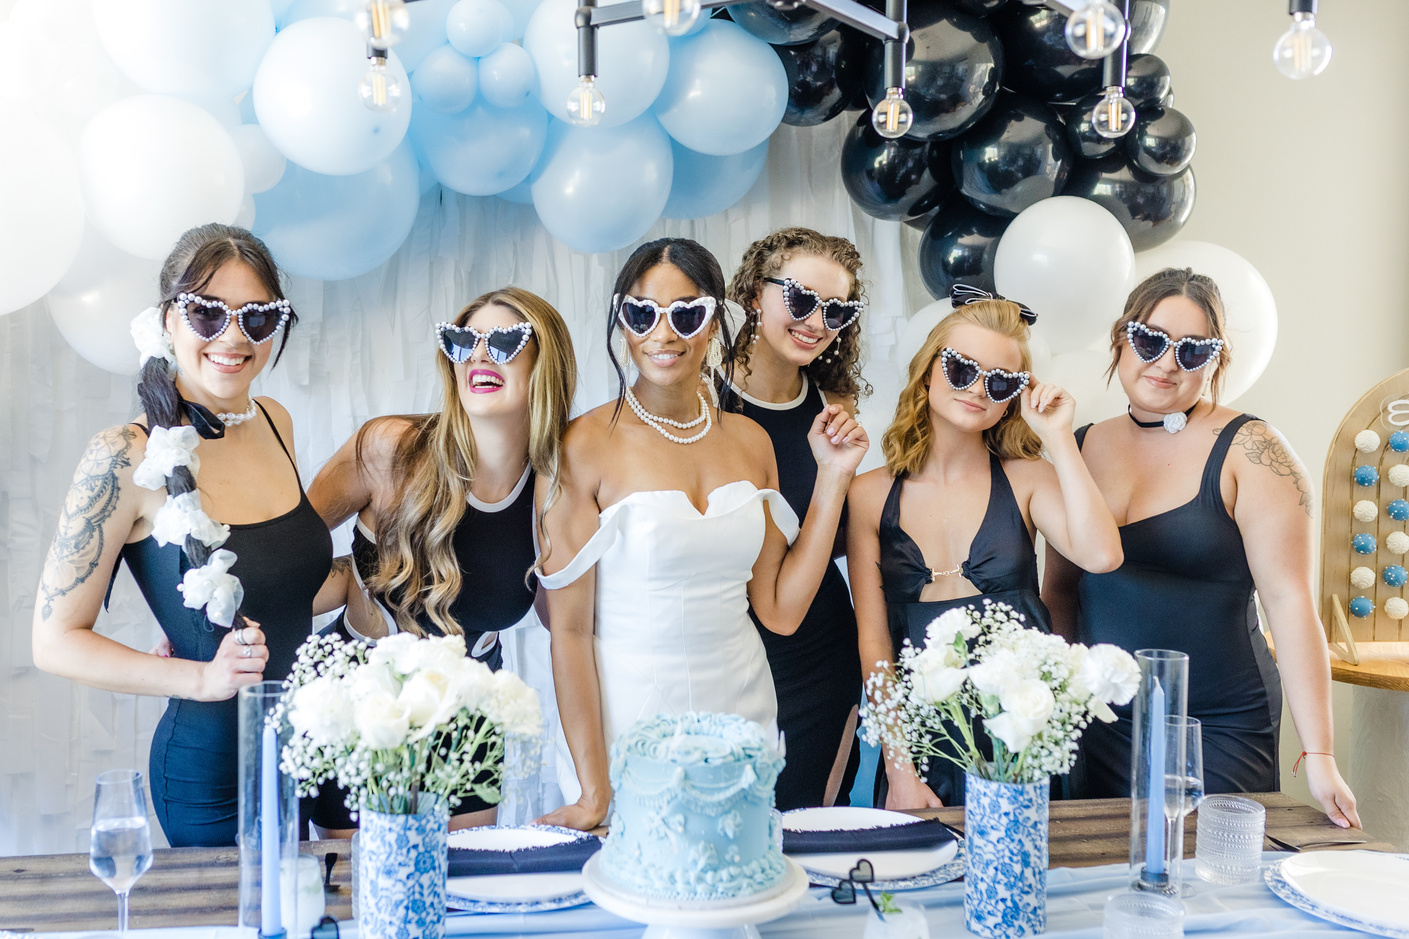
1399	475
1367	441
1397	542
1396	608
1362	578
1365	511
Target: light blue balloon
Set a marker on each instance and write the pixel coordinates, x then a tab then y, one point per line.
336	227
726	91
477	27
601	188
520	10
522	194
506	76
303	9
426	32
704	185
445	81
483	150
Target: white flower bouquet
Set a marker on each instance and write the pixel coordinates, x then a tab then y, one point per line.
404	717
1031	691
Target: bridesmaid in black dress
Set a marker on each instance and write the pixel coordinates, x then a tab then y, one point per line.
1213	506
797	352
247	481
950	519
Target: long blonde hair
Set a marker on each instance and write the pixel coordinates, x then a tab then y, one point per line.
906	443
434	467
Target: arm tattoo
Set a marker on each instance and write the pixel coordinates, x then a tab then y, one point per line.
1265	448
93	498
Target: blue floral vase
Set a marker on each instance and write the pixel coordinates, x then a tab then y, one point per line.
1005	875
401	874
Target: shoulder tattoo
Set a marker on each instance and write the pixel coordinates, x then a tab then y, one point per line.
93	498
1264	447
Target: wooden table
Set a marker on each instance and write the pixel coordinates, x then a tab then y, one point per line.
199	886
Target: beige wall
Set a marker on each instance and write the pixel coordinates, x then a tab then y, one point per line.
1309	181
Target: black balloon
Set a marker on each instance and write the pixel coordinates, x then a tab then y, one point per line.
781	27
1151	209
894	179
1147	19
1016	156
953	66
1162	141
1081	133
1038	60
978	7
1147	80
959	246
824	77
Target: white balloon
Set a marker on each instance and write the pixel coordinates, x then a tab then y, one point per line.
245	219
1082	373
917	330
178	47
305	95
264	165
1071	262
40	205
95	302
154	166
1248	304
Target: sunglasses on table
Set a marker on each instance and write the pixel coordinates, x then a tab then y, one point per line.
801	302
1190	354
209	318
501	343
999	384
686	317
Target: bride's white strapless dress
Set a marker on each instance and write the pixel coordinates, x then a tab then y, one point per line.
673	632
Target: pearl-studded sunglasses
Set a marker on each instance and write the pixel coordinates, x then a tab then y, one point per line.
801	302
502	342
1190	354
999	384
209	318
686	317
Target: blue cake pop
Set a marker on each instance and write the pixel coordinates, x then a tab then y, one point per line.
1366	475
1361	607
1398	510
1363	543
1395	575
1399	441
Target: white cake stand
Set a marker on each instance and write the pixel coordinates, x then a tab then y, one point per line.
678	919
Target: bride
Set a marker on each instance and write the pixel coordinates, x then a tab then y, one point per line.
666	497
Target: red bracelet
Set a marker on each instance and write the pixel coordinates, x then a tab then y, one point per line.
1305	754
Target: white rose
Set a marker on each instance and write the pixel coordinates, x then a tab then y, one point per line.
167	448
387	650
381	720
949	624
1102	711
1110	673
472	681
1030	702
372	679
429	700
322	710
1010	730
408	654
936	681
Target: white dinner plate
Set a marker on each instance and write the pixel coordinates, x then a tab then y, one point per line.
1367	885
514	888
889	865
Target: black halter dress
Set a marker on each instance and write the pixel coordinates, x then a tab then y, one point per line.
194	764
1185	585
817	670
1002	564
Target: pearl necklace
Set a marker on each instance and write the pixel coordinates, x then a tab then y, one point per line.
234	420
655	421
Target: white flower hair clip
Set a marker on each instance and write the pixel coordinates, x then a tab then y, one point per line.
167	448
151	337
214	588
182	515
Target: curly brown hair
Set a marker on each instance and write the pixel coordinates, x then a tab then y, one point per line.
841	376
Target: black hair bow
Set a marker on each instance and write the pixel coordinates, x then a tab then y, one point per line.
963	294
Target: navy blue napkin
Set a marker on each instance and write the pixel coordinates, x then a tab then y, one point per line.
919	835
569	856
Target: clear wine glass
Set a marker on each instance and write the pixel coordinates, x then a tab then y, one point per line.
1185	737
121	846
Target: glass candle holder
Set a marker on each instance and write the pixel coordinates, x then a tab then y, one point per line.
268	813
1157	771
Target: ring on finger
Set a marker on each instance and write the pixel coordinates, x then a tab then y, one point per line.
240	637
248	651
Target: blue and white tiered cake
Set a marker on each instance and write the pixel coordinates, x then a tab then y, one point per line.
693	816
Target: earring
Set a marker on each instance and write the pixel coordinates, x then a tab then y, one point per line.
623	355
713	361
754	324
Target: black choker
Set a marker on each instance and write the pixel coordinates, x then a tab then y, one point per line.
1173	423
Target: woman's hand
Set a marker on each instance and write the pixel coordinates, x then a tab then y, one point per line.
837	440
908	791
238	662
1048	409
584	815
1328	788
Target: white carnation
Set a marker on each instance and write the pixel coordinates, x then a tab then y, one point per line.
513	705
382	721
999	668
150	337
167	448
949	624
182	515
407	654
1110	673
322	709
212	587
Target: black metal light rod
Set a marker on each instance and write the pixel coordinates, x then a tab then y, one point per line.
1115	65
897	13
586	39
1301	6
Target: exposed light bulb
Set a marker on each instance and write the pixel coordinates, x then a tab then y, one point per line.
1113	115
893	116
672	17
1303	51
1095	30
382	22
379	89
586	104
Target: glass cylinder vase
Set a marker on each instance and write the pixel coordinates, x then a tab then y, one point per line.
268	812
1005	870
1157	771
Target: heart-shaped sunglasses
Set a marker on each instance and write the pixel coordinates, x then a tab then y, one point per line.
686	317
209	318
801	302
999	384
1190	354
501	343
